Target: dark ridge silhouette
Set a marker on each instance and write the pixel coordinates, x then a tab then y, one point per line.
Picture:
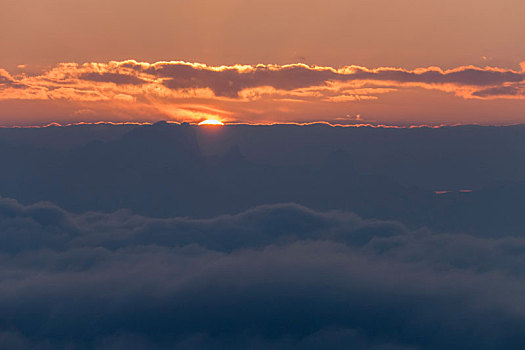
183	170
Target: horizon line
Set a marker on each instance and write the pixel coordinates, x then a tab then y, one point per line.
324	123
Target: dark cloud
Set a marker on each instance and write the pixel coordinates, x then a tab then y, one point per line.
279	276
82	82
108	77
229	81
499	91
461	76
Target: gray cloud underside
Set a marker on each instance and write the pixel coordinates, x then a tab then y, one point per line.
279	276
500	91
121	79
230	81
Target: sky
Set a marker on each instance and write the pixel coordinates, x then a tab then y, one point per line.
344	62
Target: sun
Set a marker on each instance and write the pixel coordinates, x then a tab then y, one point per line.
211	122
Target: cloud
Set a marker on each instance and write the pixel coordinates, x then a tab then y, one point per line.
117	78
280	276
517	90
7	81
5	77
183	91
131	77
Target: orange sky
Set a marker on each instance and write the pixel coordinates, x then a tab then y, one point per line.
348	49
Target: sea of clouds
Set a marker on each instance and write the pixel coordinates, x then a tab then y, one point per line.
280	276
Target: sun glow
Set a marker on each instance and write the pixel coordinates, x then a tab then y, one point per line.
211	122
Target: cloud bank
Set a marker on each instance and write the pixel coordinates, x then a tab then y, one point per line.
193	91
280	276
178	78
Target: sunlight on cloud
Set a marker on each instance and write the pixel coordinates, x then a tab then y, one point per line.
232	90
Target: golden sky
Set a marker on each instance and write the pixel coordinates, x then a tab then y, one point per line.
376	61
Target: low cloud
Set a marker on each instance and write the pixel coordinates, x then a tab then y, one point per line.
280	276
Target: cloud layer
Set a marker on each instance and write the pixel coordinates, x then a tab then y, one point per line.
279	276
243	81
192	91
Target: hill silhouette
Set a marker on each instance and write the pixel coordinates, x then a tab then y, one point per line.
166	170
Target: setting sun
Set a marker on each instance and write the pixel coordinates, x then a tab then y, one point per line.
211	122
